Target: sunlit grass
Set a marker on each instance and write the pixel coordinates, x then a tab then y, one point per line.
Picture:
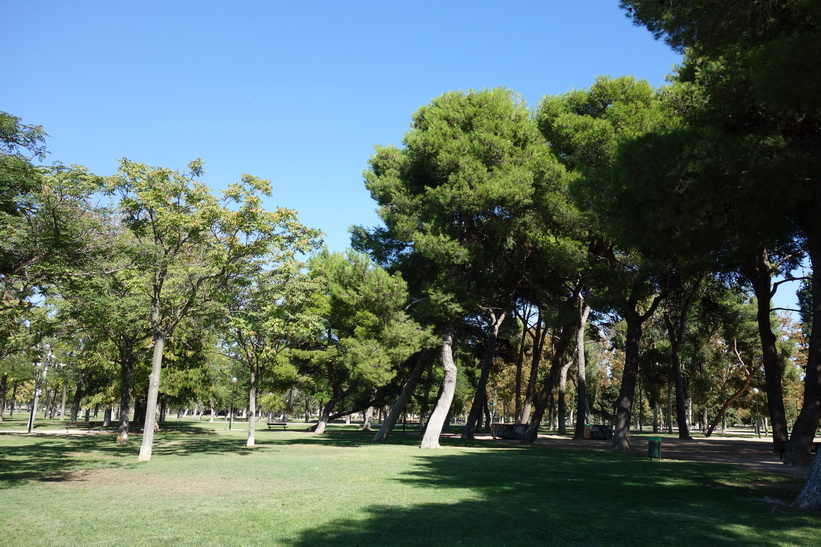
204	487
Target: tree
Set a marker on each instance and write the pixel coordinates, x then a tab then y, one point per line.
189	245
585	129
460	205
758	67
365	332
267	317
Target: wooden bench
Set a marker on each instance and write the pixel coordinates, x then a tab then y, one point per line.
283	425
781	448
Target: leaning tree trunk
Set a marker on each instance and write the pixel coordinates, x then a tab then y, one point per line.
539	338
581	372
762	287
803	433
423	361
481	394
723	410
557	362
147	445
520	358
440	413
624	403
675	334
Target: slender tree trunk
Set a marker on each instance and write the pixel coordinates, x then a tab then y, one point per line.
773	376
562	410
496	319
719	417
440	413
624	403
675	334
520	358
539	338
147	445
425	358
63	402
557	362
252	404
582	407
78	397
803	433
3	389
126	374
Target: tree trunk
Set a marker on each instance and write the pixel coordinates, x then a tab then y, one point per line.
539	339
366	425
520	358
3	388
723	410
675	334
562	392
557	362
63	402
803	433
810	496
624	403
147	445
78	397
127	359
496	319
582	410
252	404
773	375
440	413
423	361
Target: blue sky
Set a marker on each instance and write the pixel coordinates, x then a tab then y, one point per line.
295	92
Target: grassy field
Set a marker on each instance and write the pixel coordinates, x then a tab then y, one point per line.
204	487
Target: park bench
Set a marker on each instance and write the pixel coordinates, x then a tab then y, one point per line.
781	448
508	431
283	425
603	432
80	425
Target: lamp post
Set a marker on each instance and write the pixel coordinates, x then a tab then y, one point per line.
231	415
37	379
755	403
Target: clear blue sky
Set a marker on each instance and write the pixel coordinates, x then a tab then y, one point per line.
295	92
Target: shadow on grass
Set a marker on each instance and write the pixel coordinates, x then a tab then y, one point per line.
529	495
54	458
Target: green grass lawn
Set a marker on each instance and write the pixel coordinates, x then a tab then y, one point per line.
204	487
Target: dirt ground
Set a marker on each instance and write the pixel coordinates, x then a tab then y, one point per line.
748	452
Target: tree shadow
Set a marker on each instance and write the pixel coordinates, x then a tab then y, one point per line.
531	495
54	458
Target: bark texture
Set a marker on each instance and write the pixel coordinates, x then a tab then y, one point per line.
810	496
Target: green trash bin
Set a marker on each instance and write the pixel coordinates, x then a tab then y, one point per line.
654	447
